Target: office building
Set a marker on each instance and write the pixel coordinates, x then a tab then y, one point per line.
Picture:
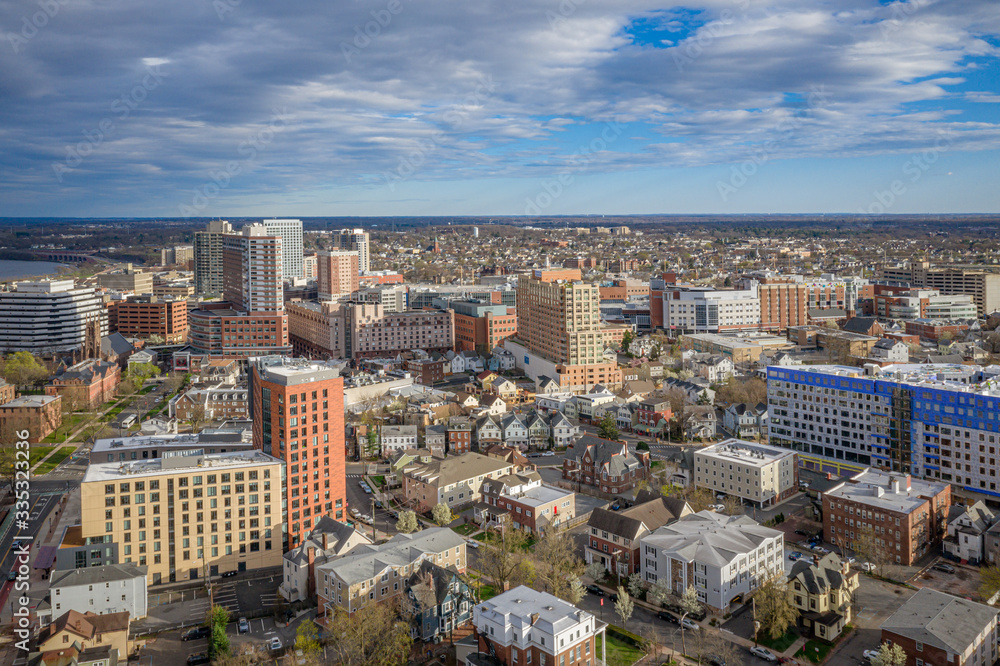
356	240
982	285
936	421
907	516
762	475
924	304
392	297
217	330
720	556
252	270
526	626
146	317
127	279
480	326
50	316
188	515
208	257
559	328
290	232
297	409
375	333
337	274
708	310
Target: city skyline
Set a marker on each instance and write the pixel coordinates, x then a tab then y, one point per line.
718	107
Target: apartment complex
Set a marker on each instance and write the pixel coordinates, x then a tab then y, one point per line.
317	329
252	270
356	240
150	316
982	285
763	475
297	408
50	316
708	310
720	556
337	274
908	517
290	232
937	421
208	257
526	626
187	515
376	573
455	480
481	326
40	415
530	505
786	302
374	333
559	324
216	329
613	536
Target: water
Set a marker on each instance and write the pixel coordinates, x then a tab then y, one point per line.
11	269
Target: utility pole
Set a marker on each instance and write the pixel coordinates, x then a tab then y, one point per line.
373	517
756	624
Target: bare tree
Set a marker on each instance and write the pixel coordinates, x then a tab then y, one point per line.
558	563
733	505
371	636
502	558
870	548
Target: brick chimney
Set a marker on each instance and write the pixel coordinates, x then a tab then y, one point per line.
325	541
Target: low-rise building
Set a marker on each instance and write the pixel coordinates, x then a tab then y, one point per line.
613	536
86	385
328	541
530	505
39	415
107	589
150	316
720	556
745	420
908	516
437	600
967	528
379	572
606	466
397	438
224	439
455	480
525	626
763	475
87	630
218	402
937	629
823	592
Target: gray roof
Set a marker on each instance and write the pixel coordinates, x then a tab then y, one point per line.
337	536
978	514
455	469
524	607
628	523
712	538
367	561
859	324
107	573
606	454
874	488
939	619
819	577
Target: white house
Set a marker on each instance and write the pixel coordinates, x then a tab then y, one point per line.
505	357
515	432
398	438
720	556
563	431
744	421
713	368
327	541
893	351
111	588
967	526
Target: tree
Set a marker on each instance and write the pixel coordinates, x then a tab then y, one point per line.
775	611
22	369
870	548
198	417
372	636
627	339
596	571
217	618
140	372
890	654
441	513
733	505
660	592
698	498
503	560
559	565
407	522
688	604
624	606
608	429
307	639
577	591
989	581
635	585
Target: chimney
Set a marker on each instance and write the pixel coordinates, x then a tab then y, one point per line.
325	541
895	484
312	556
908	479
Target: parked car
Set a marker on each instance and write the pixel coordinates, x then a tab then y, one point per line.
668	617
196	633
198	658
243	626
229	574
12	575
717	507
688	623
612	597
715	660
794	555
866	566
548	454
274	644
616	506
943	567
472	543
593	589
802	533
763	653
870	654
821	550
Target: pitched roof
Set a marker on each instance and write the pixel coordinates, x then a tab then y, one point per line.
614	457
819	577
366	561
107	573
939	619
455	469
710	538
628	523
860	325
86	625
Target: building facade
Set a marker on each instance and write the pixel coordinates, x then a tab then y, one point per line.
39	415
337	274
938	629
983	286
290	232
50	316
208	257
455	480
356	240
763	475
111	588
604	465
707	310
148	316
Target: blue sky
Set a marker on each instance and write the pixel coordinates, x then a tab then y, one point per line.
247	107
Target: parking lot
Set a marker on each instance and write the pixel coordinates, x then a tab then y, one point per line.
169	649
964	582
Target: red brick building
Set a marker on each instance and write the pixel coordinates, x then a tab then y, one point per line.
938	629
86	385
613	536
40	415
7	392
459	436
649	412
530	505
426	371
934	329
606	466
145	316
297	409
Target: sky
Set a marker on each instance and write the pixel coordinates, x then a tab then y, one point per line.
199	108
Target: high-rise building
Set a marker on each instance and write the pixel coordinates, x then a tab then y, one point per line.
291	245
208	257
983	285
297	409
251	267
708	310
50	316
187	515
559	321
337	272
356	240
147	316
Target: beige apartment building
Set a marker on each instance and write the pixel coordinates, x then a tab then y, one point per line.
983	286
187	515
455	480
763	475
316	330
337	272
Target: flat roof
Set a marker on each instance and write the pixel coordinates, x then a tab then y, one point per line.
747	453
179	462
874	488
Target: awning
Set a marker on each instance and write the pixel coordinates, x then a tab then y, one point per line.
46	557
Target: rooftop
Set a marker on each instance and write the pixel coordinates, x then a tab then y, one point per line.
292	371
890	492
946	622
176	462
107	573
526	607
31	401
366	561
214	436
745	452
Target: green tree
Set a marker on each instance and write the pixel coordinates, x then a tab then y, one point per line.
989	581
218	642
775	611
441	513
307	639
22	369
608	429
627	339
890	654
407	523
373	635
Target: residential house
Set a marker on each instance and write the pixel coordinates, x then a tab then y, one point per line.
511	455
492	405
396	438
436	600
515	432
650	412
587	403
435	438
547	386
720	556
891	351
467	400
538	430
328	540
823	590
506	358
454	481
506	389
743	421
488	432
967	528
105	589
700	422
627	416
103	655
530	505
613	536
697	391
604	465
938	629
563	431
86	630
459	432
713	368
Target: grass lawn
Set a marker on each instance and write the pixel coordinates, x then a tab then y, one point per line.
37	453
146	389
465	530
619	652
656	464
379	481
809	651
480	537
487	592
778	645
54	460
70	423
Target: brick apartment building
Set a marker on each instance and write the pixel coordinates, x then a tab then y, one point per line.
604	465
482	326
87	384
426	371
938	629
147	316
613	536
907	515
459	436
935	329
530	505
40	415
